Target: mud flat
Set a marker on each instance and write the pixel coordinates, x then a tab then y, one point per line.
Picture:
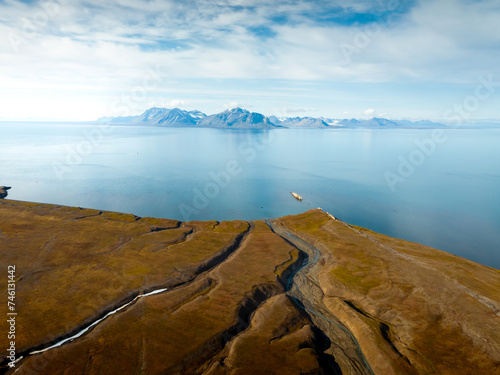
304	294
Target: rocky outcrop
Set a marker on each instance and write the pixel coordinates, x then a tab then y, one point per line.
411	308
3	191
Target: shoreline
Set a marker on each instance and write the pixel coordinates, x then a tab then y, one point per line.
374	297
254	219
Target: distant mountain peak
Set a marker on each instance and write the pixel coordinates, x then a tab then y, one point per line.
300	122
237	118
240	118
237	110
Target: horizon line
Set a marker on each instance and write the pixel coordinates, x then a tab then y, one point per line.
230	109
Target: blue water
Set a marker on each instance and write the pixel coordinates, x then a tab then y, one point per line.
446	197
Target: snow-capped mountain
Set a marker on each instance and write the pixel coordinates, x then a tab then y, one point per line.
177	117
349	122
159	117
380	122
197	114
299	122
237	118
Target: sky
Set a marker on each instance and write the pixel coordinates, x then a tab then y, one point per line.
70	60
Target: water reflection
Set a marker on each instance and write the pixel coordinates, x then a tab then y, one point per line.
450	202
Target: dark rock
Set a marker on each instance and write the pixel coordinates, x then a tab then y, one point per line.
3	191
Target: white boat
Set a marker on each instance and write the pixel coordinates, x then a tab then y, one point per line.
296	196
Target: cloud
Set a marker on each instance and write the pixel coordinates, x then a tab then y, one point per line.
233	104
103	49
369	112
224	39
175	103
294	111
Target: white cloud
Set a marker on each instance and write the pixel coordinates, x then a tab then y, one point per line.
212	41
102	50
369	112
292	111
175	103
235	104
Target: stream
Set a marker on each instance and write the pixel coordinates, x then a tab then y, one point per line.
93	324
313	256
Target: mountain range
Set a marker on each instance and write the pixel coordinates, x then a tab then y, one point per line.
238	118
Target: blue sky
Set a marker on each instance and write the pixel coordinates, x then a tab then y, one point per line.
80	60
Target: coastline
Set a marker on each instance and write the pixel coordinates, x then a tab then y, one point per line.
381	290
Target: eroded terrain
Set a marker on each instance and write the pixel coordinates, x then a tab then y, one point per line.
304	294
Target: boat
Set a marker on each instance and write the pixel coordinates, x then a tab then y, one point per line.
296	196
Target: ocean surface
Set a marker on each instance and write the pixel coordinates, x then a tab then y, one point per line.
439	188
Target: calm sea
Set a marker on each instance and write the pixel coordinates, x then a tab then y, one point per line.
439	188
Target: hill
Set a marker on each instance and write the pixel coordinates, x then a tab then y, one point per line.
238	118
110	293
